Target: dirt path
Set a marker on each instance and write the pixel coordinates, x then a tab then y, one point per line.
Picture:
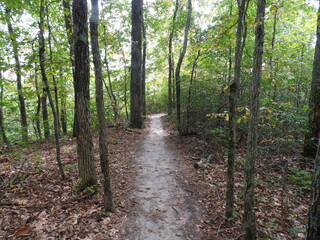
161	208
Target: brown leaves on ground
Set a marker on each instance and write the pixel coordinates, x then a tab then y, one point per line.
281	204
36	204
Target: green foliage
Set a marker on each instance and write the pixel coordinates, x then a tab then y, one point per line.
300	177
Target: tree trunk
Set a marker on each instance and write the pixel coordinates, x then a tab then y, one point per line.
192	77
313	228
181	57
136	65
103	146
38	106
232	109
63	103
45	81
22	107
86	164
45	117
143	78
249	168
273	40
170	60
2	129
55	86
109	87
68	24
125	86
313	128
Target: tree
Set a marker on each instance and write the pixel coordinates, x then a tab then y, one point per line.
170	60
249	168
178	69
2	128
136	65
313	128
86	165
103	146
313	227
143	77
18	70
234	87
47	89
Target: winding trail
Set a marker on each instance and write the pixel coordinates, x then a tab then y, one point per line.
161	209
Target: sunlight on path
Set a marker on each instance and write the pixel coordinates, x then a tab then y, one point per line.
159	200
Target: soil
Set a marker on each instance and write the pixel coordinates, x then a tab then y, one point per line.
161	207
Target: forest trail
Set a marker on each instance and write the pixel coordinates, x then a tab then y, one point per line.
161	208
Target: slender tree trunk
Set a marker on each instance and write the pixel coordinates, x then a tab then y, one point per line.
2	129
63	103
55	86
143	78
313	128
86	164
249	201
181	57
136	65
45	117
192	77
170	61
38	127
273	40
232	110
22	107
45	81
103	146
313	228
125	87
109	88
69	28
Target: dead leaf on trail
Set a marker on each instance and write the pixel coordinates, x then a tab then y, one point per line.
22	232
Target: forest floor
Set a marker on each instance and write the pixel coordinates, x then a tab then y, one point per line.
158	192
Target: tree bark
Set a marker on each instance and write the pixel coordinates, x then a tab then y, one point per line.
55	86
249	168
86	164
170	61
313	227
143	78
47	89
103	146
234	87
45	117
313	128
178	69
22	107
136	65
2	129
38	106
69	26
